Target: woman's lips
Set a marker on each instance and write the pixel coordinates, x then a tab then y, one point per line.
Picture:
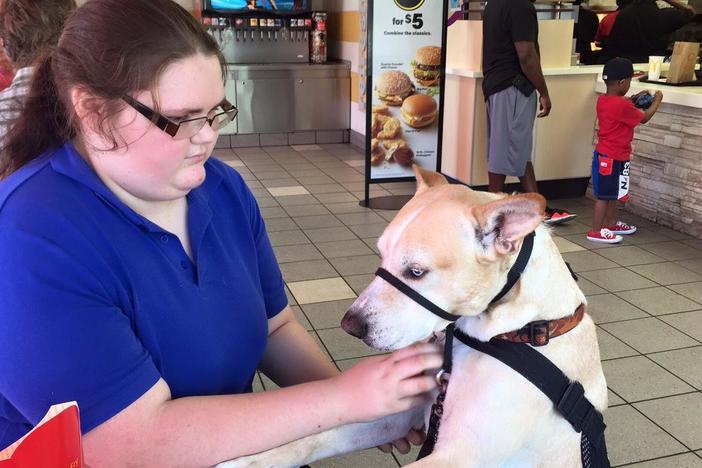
197	158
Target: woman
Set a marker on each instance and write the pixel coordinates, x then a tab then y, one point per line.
137	276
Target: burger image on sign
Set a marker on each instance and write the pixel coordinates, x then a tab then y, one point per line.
393	87
419	110
426	65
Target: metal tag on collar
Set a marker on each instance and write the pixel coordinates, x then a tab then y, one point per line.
442	378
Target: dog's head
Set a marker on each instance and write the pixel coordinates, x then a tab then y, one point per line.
449	243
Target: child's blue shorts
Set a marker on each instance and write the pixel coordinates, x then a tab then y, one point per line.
610	178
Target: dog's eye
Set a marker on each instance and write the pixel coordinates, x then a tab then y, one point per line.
416	272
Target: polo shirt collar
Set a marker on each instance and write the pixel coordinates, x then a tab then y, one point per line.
69	162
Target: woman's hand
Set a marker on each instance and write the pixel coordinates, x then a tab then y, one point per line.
382	385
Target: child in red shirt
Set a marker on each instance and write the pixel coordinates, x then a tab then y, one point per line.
6	71
617	116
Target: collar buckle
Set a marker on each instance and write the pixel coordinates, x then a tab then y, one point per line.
539	333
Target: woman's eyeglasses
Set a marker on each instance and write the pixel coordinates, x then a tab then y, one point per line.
189	127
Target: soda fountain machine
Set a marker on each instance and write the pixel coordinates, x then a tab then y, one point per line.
260	33
278	75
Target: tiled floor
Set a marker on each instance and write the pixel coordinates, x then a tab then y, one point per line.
645	295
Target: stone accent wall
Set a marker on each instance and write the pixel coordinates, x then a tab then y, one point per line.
666	169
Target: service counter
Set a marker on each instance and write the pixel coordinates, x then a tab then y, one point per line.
666	174
562	141
562	151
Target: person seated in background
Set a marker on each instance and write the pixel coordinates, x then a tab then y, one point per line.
584	34
643	29
7	71
28	28
607	23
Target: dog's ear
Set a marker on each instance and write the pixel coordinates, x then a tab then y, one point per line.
502	224
427	179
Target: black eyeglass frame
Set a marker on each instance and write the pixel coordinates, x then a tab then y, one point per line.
171	127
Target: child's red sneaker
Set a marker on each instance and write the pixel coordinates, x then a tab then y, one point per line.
604	236
622	228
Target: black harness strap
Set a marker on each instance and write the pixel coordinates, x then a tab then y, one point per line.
415	296
518	268
437	408
568	397
512	277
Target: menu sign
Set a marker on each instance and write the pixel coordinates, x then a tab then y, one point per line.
406	65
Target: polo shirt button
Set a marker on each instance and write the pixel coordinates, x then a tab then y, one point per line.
164	239
184	264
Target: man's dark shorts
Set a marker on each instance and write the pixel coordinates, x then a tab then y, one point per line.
510	126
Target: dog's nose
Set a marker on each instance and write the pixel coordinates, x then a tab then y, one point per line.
354	325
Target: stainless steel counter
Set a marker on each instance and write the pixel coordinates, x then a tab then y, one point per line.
275	98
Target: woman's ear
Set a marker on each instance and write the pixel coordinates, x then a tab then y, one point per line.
95	128
88	110
83	103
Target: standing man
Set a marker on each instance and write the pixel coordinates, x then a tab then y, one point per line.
512	72
644	29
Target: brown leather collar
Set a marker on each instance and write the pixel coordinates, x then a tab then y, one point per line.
540	332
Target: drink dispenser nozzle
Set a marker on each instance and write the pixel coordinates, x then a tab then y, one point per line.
229	35
308	28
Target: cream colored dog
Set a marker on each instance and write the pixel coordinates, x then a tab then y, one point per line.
454	246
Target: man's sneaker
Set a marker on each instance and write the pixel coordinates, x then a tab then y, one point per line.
555	216
622	228
604	236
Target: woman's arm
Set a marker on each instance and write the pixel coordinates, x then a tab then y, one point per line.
292	356
202	431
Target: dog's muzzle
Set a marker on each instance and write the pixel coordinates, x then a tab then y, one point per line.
354	324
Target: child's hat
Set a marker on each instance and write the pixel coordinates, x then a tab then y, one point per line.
618	69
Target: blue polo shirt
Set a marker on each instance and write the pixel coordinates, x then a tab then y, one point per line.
97	303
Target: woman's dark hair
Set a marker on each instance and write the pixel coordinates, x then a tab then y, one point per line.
28	27
109	48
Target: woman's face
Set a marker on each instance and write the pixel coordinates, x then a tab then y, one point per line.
153	166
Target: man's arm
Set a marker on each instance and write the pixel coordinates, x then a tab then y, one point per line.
681	6
530	63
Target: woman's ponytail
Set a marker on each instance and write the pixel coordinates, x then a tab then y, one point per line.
43	123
